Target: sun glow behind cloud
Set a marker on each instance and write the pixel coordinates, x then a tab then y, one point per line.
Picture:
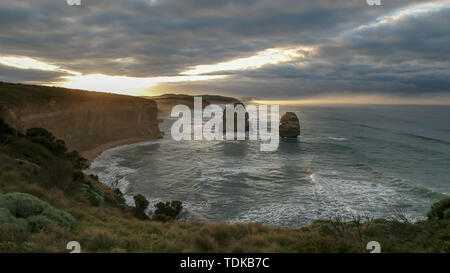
136	85
21	62
260	59
98	82
438	99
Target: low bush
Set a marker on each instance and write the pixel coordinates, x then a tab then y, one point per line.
141	202
102	241
94	176
26	211
57	173
440	210
95	195
118	197
115	228
8	218
140	214
77	160
167	211
78	176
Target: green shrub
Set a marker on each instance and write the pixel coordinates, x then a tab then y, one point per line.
37	223
6	132
162	217
94	176
168	211
77	160
140	214
46	139
96	199
6	138
95	195
78	176
57	173
7	217
141	202
29	212
24	148
440	210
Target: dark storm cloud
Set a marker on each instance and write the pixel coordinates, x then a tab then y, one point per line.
412	37
142	38
16	75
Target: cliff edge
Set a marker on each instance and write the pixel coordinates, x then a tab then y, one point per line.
89	122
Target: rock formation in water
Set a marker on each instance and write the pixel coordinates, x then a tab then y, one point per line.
247	123
88	122
289	125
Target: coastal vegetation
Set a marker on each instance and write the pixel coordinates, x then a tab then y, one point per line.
140	202
88	122
167	211
47	201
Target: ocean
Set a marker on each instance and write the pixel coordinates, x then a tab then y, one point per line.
371	160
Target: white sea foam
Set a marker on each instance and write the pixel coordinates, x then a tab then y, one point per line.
109	171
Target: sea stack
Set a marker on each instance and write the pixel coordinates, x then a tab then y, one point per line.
247	123
289	125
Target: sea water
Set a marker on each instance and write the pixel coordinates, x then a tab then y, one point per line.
375	161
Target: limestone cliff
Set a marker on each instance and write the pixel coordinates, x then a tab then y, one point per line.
289	125
88	122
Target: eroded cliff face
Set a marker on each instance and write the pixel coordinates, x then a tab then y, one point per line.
168	101
88	122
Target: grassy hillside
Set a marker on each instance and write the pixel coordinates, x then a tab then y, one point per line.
46	201
98	121
21	94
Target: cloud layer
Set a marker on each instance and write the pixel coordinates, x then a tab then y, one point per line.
400	48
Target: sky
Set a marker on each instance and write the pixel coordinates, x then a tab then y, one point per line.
284	50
